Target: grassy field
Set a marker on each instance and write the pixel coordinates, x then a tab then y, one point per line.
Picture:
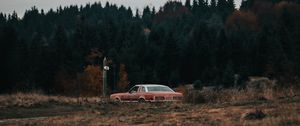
225	108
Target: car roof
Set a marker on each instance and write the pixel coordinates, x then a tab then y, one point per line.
149	85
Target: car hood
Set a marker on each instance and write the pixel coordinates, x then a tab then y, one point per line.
118	94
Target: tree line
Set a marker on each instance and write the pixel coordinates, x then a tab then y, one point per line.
179	43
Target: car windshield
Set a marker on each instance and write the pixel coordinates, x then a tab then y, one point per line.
159	88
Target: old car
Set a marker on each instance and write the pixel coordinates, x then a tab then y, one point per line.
148	93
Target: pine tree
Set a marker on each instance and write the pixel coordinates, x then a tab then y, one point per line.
9	39
195	6
188	4
228	75
147	17
213	4
62	46
123	81
137	14
231	5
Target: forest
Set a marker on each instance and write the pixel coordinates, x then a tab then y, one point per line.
214	43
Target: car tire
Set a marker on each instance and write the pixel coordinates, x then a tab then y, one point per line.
117	100
141	100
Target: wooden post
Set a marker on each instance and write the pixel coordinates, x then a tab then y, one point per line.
104	77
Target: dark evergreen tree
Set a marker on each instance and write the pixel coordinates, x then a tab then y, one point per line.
8	64
176	44
231	5
213	4
188	4
147	17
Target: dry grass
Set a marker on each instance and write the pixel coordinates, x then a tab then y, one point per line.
277	114
235	95
37	98
219	108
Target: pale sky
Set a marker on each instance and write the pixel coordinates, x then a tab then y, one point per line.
8	6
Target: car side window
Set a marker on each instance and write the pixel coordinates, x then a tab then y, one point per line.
134	89
142	89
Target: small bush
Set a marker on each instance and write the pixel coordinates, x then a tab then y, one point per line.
198	84
182	89
194	97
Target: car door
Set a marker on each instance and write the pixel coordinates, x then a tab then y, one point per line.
125	97
140	93
133	94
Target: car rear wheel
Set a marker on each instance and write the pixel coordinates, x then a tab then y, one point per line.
117	100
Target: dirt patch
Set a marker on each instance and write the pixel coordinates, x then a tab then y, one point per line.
55	110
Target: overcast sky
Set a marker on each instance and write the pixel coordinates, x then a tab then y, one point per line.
8	6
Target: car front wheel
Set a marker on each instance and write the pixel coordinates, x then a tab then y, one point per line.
141	100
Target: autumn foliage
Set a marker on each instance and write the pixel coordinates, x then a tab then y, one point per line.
242	20
182	89
87	83
90	81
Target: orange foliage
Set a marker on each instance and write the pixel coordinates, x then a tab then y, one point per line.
240	19
292	8
282	4
182	89
91	81
88	83
123	81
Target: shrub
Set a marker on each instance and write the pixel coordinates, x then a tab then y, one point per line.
182	89
195	97
198	84
90	81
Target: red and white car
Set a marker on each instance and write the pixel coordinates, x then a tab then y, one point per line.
148	93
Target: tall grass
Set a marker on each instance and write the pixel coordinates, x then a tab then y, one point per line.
236	95
37	98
